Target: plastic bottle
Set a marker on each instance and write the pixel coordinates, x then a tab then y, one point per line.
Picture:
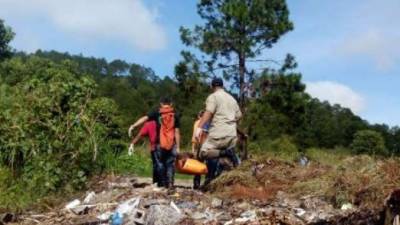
116	219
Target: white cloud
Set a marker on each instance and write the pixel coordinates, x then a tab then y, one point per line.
336	93
379	46
371	33
129	21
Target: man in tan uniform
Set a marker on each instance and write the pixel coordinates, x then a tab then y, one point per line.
224	113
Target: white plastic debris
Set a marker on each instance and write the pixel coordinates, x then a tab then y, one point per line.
242	220
73	204
89	198
230	222
245	217
162	215
105	216
131	149
174	206
303	161
396	220
128	206
199	216
80	209
299	211
216	203
346	206
249	215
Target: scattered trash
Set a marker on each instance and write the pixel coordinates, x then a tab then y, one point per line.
105	216
243	206
89	198
173	205
119	185
249	215
346	206
162	215
150	202
216	203
143	206
304	161
299	211
210	216
117	219
73	204
199	216
187	205
137	217
128	206
7	218
80	209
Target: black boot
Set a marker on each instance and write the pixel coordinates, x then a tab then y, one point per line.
212	165
231	155
196	182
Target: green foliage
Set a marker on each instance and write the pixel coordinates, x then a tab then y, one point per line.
279	107
139	163
331	157
368	141
6	36
285	148
52	126
234	32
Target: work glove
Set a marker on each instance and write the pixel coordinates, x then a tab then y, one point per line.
131	128
198	133
131	149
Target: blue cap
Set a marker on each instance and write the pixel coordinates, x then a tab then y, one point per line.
217	82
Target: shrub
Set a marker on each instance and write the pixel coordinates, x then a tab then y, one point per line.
368	142
53	128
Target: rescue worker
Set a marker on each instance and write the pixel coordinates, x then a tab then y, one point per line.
149	130
168	138
196	144
223	113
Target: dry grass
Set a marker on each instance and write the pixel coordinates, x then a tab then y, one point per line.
361	180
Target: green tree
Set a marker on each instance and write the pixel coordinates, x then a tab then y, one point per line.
6	36
369	142
278	106
53	128
235	33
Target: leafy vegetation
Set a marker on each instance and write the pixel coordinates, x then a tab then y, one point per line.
368	141
234	34
6	35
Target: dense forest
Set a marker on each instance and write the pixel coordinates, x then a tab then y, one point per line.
63	115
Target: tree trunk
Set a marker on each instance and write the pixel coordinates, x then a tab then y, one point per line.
242	71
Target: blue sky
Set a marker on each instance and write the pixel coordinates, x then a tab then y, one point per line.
348	51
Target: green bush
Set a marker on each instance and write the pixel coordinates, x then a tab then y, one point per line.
53	128
368	142
330	157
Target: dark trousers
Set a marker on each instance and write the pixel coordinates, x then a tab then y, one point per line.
157	167
196	181
167	159
197	178
215	168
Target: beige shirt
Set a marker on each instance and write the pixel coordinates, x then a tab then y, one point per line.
226	113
